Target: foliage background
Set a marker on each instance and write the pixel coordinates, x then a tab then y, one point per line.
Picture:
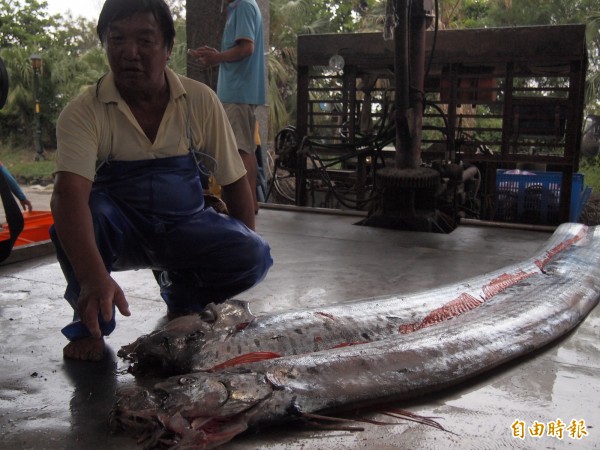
73	57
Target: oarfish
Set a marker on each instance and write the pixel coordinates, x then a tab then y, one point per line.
229	334
205	409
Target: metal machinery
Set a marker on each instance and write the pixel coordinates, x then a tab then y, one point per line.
498	98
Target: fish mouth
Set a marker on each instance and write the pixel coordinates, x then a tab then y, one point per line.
174	356
197	411
159	363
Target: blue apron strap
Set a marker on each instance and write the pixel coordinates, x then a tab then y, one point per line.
14	218
105	145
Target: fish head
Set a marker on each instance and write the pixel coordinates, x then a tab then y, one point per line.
134	410
174	348
221	394
170	349
199	410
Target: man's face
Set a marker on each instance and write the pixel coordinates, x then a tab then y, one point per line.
137	54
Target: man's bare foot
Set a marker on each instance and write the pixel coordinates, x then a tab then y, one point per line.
87	349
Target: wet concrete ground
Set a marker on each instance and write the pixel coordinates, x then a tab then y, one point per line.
49	403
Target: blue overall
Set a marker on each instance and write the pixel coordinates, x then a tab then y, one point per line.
151	214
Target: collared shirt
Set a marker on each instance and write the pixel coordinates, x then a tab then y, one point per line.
98	125
243	81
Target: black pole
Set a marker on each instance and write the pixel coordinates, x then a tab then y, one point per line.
418	19
37	133
409	66
402	77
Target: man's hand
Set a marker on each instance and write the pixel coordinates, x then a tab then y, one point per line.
211	56
98	297
238	198
27	206
208	56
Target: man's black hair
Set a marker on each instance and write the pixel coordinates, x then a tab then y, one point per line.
114	10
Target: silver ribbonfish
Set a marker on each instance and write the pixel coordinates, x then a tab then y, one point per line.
206	409
229	334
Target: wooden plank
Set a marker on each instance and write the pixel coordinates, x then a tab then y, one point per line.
539	44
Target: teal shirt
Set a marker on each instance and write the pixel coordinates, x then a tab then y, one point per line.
243	81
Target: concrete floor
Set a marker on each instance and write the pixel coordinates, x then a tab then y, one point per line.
49	403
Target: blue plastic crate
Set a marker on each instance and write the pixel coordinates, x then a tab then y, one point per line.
534	197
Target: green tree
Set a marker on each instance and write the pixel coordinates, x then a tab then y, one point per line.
72	58
62	78
554	12
25	23
178	60
76	35
522	12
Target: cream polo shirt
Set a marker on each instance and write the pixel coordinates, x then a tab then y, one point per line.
99	123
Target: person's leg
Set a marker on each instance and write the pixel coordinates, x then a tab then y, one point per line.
117	242
243	123
209	259
252	174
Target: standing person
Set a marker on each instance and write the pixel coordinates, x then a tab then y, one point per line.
128	191
16	189
241	82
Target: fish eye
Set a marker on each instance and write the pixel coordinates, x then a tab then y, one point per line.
194	336
161	394
187	380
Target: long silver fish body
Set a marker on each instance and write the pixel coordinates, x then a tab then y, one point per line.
229	334
206	409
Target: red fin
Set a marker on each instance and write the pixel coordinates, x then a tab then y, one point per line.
461	304
503	282
560	247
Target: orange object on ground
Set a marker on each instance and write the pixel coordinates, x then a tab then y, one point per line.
36	229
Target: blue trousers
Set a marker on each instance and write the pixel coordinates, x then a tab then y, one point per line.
150	215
